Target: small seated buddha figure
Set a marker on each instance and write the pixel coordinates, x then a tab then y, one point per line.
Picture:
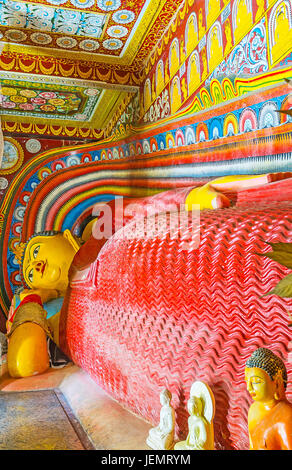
270	416
216	48
162	436
282	34
201	407
184	89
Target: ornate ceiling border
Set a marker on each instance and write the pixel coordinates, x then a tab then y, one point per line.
50	130
48	65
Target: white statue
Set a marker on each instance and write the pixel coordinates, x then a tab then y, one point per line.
201	407
162	437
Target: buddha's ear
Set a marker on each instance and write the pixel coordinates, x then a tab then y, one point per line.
68	235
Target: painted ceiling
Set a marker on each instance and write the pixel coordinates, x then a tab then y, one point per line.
73	62
64	101
111	31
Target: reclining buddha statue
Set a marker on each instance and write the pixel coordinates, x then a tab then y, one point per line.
139	314
49	259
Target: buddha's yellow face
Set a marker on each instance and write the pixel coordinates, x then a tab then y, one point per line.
46	262
259	384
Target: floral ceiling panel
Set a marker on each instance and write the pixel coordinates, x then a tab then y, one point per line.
46	97
96	26
51	19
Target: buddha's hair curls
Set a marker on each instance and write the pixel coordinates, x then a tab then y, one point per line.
266	360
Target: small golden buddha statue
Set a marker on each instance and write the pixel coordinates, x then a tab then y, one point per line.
213	11
194	74
243	20
174	58
270	416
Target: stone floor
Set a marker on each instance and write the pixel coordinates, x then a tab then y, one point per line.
63	409
36	421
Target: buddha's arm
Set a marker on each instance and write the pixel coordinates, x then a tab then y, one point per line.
27	331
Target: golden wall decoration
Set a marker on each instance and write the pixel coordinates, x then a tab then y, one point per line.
13	61
41	129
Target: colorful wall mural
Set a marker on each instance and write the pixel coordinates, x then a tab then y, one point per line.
210	94
18	151
214	40
205	93
252	139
